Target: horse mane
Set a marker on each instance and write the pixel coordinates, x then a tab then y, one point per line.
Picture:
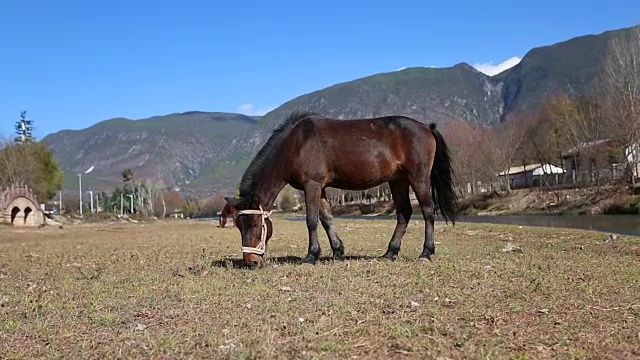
269	150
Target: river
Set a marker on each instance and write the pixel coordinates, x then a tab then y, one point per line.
619	224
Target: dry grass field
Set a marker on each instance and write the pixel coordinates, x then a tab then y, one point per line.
173	289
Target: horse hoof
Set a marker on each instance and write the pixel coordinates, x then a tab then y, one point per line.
339	257
311	260
425	258
389	257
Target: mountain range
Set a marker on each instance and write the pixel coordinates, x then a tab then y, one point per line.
206	152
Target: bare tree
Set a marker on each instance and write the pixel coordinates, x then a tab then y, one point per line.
509	145
460	138
621	79
588	132
169	200
154	190
547	139
473	150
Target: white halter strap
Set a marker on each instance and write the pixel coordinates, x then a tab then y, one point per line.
260	249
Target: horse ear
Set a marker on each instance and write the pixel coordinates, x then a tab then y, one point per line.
231	201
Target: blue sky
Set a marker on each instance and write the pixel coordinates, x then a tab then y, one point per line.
71	64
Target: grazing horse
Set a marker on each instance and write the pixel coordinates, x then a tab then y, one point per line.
226	211
311	152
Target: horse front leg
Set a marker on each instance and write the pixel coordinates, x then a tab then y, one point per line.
312	202
327	223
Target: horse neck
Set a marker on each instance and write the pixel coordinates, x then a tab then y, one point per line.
270	185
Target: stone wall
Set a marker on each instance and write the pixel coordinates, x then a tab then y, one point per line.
19	207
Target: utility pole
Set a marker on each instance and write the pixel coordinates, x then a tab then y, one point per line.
131	196
60	204
121	204
90	191
80	188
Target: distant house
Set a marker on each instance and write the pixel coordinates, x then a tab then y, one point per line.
531	175
600	159
632	155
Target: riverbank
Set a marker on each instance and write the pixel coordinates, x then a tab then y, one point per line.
607	200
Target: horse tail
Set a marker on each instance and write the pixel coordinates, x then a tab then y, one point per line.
442	187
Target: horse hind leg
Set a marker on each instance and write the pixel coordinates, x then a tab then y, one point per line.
402	203
422	189
327	223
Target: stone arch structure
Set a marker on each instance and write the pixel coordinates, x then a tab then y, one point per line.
20	207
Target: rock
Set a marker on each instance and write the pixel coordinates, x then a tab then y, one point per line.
512	248
51	222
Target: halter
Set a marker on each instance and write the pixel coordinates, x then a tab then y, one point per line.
260	249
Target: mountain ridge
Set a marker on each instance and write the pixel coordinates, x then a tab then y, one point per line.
167	149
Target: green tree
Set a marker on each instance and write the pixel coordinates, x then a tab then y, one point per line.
287	202
192	207
127	175
24	129
115	200
105	202
32	164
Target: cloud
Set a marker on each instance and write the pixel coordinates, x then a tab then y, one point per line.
250	110
402	68
491	69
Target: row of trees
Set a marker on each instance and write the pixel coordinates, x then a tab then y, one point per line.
145	197
164	203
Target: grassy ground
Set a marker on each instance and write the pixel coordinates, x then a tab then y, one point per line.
172	290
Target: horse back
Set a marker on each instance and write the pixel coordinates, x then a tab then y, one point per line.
363	151
389	133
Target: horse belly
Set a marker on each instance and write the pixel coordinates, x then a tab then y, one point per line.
361	170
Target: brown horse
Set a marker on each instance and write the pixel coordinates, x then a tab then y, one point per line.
311	152
226	211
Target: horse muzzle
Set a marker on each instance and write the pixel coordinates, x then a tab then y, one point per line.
252	260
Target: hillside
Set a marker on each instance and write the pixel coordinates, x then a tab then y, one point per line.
169	149
433	94
207	152
571	66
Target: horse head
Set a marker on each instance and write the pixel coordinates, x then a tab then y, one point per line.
255	228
